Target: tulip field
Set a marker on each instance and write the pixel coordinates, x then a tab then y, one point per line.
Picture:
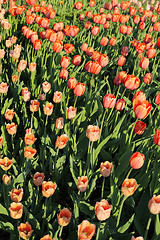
80	120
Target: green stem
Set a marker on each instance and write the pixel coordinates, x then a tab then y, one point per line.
45	213
53	63
45	124
102	124
129	172
55	170
123	93
98	231
120	210
75	101
103	183
147	228
60	233
91	157
118	91
32	119
154	111
132	131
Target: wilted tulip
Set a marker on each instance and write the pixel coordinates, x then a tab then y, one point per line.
103	210
64	217
48	188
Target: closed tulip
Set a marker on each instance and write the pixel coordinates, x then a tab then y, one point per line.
61	141
16	195
46	86
121	61
9	114
142	109
64	62
95	68
16	210
63	74
103	60
120	104
79	89
57	46
76	60
106	168
71	112
95	30
60	123
156	138
82	183
84	47
139	128
157	99
48	109
104	41
137	160
148	78
68	48
132	82
93	133
6	179
4	87
11	128
71	83
109	100
57	97
38	178
112	41
124	51
154	204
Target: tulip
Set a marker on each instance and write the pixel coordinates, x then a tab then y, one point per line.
121	61
139	128
93	133
104	41
46	237
106	168
132	82
129	186
64	217
142	109
68	48
63	74
156	138
103	210
89	51
16	210
82	183
79	89
57	46
96	18
76	60
92	3
61	141
148	78
124	51
96	55
37	44
25	94
29	152
157	99
78	5
2	53
87	25
41	96
5	163
112	41
11	128
140	96
95	68
1	140
32	67
82	17
9	114
84	47
71	83
137	238
48	109
25	230
64	62
46	86
144	63
151	53
88	65
154	204
60	123
29	138
120	104
57	97
6	179
137	160
71	112
103	60
38	178
48	188
14	78
95	30
86	230
123	29
34	106
16	195
109	101
3	87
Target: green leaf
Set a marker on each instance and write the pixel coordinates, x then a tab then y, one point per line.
74	170
124	228
7	104
6	226
3	210
86	208
100	146
157	225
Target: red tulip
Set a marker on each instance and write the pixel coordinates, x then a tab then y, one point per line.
132	82
144	63
142	109
95	68
79	89
76	60
109	101
139	128
156	138
137	160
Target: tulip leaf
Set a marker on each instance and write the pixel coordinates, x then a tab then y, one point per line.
86	208
74	170
7	226
157	225
3	210
7	104
101	145
124	228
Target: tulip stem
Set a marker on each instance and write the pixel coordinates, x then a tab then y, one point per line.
123	93
129	172
53	63
132	131
12	144
147	228
55	170
154	111
98	231
102	124
45	212
45	124
37	192
103	183
1	100
91	157
60	233
120	210
32	119
75	101
118	91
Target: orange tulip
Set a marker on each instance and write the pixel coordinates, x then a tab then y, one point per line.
25	230
106	168
95	30
148	78
46	237
46	86
79	89
139	128
34	106
32	67
90	51
48	109
144	63
76	60
124	51
109	100
38	178
4	87
156	138
6	179
95	68
60	123
103	210
93	133
48	188
142	109
78	5
137	238
57	97
137	160
57	46
9	114
25	94
84	47
104	41
112	41
151	53
103	60
16	195
129	186
11	128
131	82
71	83
120	104
64	217
82	183
16	210
61	141
64	62
63	74
121	61
5	163
68	48
14	78
86	230
71	112
157	99
154	204
29	138
29	152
